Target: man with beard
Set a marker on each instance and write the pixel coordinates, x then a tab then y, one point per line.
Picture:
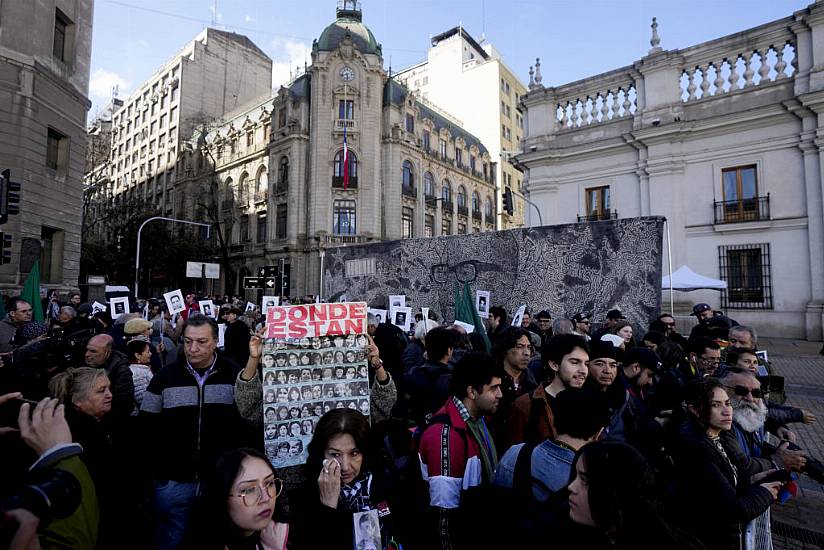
532	416
749	417
513	351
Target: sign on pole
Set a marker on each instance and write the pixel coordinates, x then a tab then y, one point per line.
196	270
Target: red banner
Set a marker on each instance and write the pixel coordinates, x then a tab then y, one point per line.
312	320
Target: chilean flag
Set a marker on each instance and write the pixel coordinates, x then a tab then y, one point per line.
345	161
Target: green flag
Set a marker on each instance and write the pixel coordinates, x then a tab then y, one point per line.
31	292
466	313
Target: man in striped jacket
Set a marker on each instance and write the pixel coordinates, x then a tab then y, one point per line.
189	418
457	452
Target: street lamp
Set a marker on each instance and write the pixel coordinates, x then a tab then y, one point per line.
137	253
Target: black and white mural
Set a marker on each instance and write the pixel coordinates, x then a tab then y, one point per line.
564	269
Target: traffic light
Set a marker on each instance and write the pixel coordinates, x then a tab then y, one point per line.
508	206
5	248
9	197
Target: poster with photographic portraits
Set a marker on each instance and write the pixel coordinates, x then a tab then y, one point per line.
482	303
250	306
267	302
174	301
314	360
120	306
402	317
207	308
397	300
97	307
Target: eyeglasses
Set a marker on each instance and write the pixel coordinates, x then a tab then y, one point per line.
711	361
742	391
251	495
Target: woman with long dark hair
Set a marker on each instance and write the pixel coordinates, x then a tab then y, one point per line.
613	501
237	509
708	477
340	483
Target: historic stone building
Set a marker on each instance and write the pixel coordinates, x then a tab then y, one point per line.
471	81
45	51
721	138
269	175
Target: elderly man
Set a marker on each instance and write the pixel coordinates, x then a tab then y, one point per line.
100	354
749	418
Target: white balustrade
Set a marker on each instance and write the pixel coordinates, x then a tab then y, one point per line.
738	71
597	107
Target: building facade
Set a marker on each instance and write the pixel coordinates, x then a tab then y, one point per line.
269	176
722	139
471	81
45	53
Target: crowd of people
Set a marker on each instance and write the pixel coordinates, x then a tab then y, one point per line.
141	432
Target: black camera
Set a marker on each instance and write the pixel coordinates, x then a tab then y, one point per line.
814	468
51	494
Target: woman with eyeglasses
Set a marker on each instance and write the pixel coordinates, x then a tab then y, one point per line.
708	472
237	508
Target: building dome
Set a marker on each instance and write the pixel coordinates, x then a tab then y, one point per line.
349	22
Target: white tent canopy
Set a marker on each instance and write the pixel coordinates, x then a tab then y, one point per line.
685	279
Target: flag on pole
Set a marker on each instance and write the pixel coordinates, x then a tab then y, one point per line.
345	161
465	311
31	292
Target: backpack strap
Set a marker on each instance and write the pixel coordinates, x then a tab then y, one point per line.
444	419
522	476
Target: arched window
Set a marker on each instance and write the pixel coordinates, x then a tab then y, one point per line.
408	184
461	197
283	171
476	203
446	192
241	188
489	209
228	192
261	183
428	185
337	176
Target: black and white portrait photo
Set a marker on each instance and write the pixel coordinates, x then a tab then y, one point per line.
174	301
482	303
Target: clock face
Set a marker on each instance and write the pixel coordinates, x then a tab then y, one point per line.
347	74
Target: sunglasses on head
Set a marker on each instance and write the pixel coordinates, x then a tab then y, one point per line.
742	391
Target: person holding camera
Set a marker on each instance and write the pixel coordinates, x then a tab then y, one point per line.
58	508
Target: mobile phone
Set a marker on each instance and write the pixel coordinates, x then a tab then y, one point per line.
783	476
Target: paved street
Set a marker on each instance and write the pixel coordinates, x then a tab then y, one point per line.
800	523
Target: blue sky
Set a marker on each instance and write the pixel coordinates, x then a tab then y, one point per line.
574	39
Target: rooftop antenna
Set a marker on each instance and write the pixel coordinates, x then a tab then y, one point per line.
483	20
214	14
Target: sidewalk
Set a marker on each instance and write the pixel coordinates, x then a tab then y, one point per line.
799	524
